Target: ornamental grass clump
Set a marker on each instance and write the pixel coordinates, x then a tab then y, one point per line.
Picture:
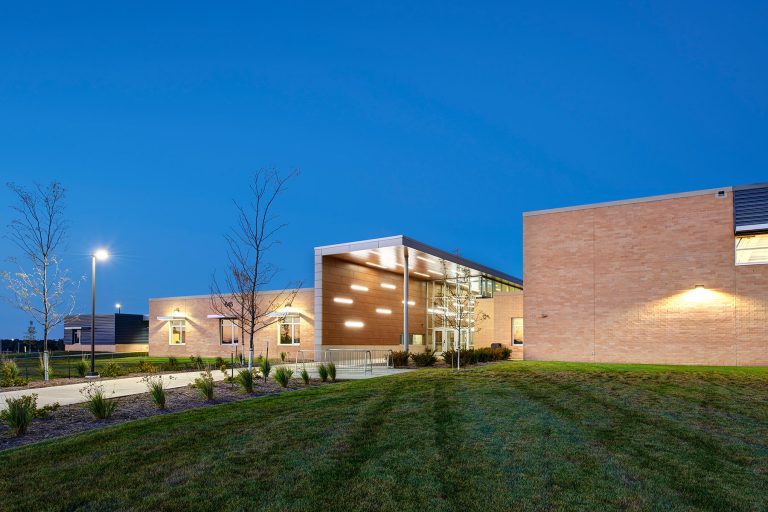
145	367
322	371
204	384
81	368
156	389
283	376
332	371
265	367
19	413
97	402
245	379
305	376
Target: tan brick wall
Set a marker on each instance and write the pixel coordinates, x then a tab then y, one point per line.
497	328
202	333
379	330
615	284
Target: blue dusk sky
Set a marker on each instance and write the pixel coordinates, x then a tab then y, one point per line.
439	120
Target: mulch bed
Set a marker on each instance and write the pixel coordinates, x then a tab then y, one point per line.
72	419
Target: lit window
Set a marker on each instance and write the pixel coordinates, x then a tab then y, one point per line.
289	330
517	331
228	331
177	332
752	249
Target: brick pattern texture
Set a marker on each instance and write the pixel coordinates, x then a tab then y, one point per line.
616	284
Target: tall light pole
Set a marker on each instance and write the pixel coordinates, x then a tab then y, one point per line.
101	254
118	308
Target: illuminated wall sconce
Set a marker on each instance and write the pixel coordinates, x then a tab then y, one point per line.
698	287
359	288
384	311
354	324
388	286
342	300
410	302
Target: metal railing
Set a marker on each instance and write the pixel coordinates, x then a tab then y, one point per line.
64	365
347	359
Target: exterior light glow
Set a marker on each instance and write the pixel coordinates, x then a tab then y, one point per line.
353	323
421	274
410	302
388	286
375	264
384	311
359	288
422	258
698	287
342	300
435	272
101	254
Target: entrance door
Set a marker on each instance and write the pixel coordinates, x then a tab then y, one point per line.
444	338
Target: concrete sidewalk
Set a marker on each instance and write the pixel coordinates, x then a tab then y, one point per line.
113	388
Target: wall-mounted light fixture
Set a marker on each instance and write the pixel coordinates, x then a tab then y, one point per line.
353	323
359	288
384	311
342	300
388	286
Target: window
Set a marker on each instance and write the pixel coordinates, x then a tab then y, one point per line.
752	249
76	335
228	331
289	330
177	332
517	331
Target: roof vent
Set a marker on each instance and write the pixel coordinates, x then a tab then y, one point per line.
720	194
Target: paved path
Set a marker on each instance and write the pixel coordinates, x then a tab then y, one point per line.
70	393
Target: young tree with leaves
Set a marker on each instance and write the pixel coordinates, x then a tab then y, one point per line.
238	296
40	286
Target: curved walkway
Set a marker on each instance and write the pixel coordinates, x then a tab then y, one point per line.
71	393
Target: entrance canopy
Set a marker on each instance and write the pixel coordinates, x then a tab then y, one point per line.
425	262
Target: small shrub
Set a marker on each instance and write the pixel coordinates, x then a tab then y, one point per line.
19	413
220	362
322	371
399	358
204	384
282	356
97	403
224	369
11	374
111	369
197	362
332	371
245	379
426	358
173	362
305	376
156	390
265	366
283	376
81	368
145	367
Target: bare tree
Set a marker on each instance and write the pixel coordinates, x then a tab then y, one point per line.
41	288
239	295
458	309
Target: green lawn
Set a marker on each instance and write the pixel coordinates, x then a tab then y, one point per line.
515	435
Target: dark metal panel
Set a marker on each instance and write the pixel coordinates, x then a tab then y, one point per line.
750	208
131	329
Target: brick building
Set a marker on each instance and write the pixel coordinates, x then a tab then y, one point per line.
677	279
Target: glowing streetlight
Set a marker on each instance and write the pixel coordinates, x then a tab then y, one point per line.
100	254
118	308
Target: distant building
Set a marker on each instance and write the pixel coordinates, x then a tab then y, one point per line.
115	332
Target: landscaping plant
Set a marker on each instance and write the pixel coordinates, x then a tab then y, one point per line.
220	362
81	368
426	358
322	371
145	367
282	356
283	376
332	371
305	376
265	366
19	413
204	384
156	390
11	375
399	358
111	369
97	403
245	379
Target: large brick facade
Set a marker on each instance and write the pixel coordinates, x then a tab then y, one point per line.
615	283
